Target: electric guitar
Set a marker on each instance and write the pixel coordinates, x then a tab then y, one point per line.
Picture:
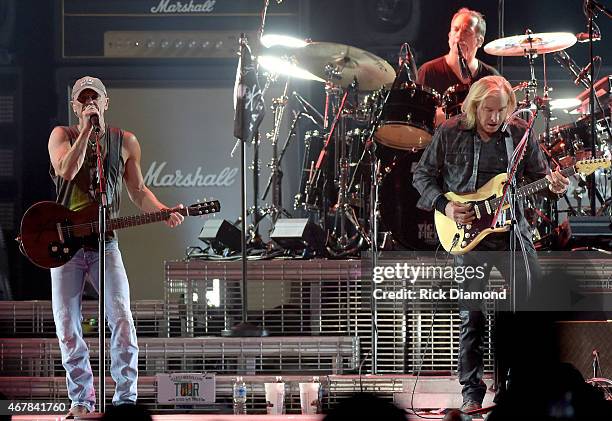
459	238
51	234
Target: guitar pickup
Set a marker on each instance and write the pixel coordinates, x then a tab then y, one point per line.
60	235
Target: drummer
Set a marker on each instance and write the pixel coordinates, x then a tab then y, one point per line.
467	29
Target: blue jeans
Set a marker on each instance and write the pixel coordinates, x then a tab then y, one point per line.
67	283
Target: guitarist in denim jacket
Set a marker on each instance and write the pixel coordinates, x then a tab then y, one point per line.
465	153
73	162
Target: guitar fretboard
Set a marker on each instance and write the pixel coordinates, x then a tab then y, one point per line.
135	220
533	188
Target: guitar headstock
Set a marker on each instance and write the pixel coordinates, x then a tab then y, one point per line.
588	166
204	208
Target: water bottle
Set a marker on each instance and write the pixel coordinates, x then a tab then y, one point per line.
240	396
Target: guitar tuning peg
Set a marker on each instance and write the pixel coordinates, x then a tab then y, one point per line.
197	200
205	199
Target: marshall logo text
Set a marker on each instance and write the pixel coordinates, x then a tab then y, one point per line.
165	6
154	177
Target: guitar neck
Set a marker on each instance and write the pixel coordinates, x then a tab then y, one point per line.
136	220
535	187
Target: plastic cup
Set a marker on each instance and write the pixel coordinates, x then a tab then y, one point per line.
275	398
309	397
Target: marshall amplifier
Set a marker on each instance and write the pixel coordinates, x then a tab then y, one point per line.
168	29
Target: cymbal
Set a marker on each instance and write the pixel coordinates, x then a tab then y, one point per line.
520	45
347	64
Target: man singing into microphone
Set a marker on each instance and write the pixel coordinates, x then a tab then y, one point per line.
72	150
466	36
465	153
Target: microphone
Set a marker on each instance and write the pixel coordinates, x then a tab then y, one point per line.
308	107
95	122
585	70
584	36
412	61
595	363
463	66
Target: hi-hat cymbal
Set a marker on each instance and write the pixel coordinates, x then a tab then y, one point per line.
521	45
346	64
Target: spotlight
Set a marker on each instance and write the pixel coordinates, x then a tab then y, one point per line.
277	40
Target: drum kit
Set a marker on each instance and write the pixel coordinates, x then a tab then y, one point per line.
357	169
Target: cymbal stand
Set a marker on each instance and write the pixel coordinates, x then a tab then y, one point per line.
344	212
544	106
532	85
255	211
276	175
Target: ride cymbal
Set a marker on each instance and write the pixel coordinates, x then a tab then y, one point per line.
521	45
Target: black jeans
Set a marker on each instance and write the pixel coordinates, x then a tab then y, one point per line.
491	252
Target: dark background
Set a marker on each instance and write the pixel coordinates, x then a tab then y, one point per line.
29	37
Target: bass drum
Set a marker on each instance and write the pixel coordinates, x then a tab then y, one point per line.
411	227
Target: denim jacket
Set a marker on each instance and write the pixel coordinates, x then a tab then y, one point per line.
450	163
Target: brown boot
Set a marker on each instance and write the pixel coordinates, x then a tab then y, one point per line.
77	411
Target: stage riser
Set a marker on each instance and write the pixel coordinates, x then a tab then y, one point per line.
294	298
334	389
246	356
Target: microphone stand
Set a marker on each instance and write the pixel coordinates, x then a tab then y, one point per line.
509	193
374	202
102	207
244	328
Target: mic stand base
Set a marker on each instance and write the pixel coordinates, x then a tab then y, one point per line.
244	330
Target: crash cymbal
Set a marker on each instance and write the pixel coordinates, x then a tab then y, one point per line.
346	64
520	45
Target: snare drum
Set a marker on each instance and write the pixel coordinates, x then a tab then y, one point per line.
408	118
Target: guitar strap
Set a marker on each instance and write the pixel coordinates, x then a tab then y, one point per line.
509	146
509	152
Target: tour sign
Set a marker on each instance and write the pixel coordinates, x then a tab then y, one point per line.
186	388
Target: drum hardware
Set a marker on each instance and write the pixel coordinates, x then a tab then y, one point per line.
276	175
339	239
566	62
453	98
253	228
530	45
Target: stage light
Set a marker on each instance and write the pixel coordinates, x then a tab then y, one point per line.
564	103
284	66
277	40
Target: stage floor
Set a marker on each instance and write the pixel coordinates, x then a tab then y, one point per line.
224	417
